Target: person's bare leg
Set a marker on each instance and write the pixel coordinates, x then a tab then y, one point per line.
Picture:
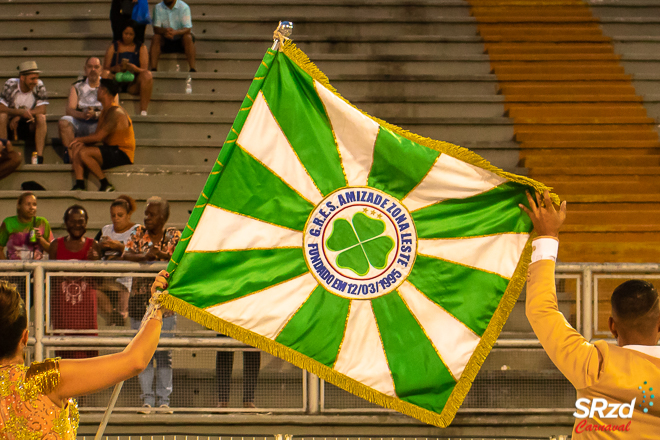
78	166
67	135
9	163
156	43
40	133
4	120
189	47
92	159
143	87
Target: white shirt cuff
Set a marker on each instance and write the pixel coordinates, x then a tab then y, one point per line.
544	248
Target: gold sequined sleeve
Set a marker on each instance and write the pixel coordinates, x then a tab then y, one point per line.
43	376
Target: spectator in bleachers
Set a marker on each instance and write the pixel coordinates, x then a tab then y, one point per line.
114	131
112	239
153	242
83	107
121	12
23	105
75	246
25	236
10	159
74	300
127	61
172	32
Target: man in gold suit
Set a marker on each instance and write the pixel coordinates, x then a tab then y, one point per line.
616	384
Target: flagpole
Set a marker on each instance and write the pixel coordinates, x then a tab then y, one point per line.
153	307
108	411
283	32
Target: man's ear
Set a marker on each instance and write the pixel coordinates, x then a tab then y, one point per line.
613	329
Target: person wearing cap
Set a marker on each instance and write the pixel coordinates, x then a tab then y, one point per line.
114	132
23	104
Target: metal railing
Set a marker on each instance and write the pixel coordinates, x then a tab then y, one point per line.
517	368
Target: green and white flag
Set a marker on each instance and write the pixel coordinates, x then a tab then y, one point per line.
384	262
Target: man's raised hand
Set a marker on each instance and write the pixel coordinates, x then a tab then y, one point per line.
546	219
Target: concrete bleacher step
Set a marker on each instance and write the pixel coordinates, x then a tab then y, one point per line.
247	63
198	128
548	48
261	8
568	145
236	85
561	67
395	45
575	249
575	110
585	133
185	179
554	158
209	25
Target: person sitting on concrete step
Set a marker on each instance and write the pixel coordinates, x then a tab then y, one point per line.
114	131
172	32
127	61
10	159
23	105
83	107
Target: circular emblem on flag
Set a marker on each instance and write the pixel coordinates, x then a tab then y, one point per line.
360	243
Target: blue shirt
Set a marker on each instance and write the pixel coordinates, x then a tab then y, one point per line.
176	18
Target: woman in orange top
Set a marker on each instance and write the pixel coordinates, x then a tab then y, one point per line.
36	401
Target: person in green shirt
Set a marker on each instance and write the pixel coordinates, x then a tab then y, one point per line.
25	236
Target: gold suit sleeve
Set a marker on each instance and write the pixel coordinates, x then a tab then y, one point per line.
574	356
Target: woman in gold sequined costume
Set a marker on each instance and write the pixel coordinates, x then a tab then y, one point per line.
36	401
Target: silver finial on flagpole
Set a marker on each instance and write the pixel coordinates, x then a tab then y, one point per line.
283	32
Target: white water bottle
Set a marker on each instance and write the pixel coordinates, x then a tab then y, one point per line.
189	85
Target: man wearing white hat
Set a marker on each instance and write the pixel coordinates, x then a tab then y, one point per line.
23	104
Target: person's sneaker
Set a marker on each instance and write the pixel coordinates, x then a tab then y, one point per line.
146	409
223	404
165	409
107	188
249	405
143	113
78	187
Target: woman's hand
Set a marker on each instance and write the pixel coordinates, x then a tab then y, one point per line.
160	282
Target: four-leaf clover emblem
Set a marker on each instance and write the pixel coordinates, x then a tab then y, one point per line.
361	243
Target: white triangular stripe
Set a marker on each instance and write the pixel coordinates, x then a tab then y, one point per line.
454	341
355	133
220	230
450	178
263	138
361	356
267	312
495	253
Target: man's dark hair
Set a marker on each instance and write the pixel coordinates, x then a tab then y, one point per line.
110	85
634	300
71	208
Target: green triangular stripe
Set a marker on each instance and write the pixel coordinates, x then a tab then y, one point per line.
399	164
205	279
223	157
317	329
299	111
248	187
470	295
420	377
493	212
